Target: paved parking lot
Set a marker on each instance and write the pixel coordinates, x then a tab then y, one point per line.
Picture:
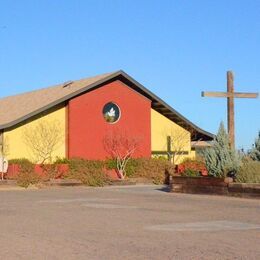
137	222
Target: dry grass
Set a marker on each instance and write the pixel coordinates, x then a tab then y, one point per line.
249	172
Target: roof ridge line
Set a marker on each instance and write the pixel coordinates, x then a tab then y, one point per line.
58	85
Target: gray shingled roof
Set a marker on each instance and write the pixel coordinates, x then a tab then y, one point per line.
16	109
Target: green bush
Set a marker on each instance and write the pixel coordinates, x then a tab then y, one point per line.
90	172
249	172
60	160
191	173
130	169
160	157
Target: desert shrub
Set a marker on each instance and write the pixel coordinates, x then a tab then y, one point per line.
130	168
155	169
24	179
60	160
53	171
49	171
90	172
191	173
110	164
249	172
160	157
121	148
192	167
20	161
255	152
26	175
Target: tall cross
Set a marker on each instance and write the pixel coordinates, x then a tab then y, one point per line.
230	95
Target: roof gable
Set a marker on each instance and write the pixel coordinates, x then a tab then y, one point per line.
15	109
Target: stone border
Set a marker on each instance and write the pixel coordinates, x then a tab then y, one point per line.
244	190
198	185
214	186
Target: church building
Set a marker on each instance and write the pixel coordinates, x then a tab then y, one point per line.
87	110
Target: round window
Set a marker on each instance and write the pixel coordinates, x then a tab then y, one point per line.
111	112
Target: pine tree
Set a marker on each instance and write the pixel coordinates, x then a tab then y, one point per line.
255	152
220	158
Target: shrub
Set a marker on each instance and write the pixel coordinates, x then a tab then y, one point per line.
155	169
255	152
191	173
19	161
249	172
220	158
24	179
150	168
130	168
60	160
121	148
26	175
192	167
90	172
48	171
55	170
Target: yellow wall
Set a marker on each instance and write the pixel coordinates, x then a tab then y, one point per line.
193	154
13	137
162	127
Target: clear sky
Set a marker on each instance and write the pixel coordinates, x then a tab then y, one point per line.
175	48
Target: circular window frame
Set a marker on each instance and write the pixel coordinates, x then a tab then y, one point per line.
119	112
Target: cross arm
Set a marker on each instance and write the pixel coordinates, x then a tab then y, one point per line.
226	94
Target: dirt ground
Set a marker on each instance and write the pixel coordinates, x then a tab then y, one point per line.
133	222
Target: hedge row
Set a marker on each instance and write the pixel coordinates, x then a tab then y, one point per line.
93	172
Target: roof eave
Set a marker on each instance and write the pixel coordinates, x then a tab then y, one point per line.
155	99
59	101
184	122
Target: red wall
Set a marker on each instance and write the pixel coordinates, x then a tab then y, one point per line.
87	127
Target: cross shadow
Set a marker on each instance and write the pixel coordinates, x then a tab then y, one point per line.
165	188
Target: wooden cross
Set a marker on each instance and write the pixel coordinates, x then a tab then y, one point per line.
230	95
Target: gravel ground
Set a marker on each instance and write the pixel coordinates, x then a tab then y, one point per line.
132	222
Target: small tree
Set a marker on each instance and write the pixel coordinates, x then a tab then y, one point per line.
4	151
220	159
4	147
43	139
179	140
255	152
121	147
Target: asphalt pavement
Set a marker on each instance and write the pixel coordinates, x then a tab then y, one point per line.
132	222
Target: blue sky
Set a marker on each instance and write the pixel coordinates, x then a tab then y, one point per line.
175	48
